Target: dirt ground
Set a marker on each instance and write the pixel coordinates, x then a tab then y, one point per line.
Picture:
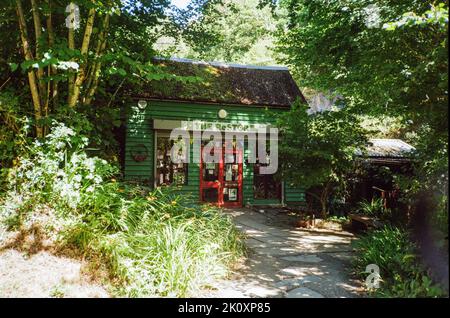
44	275
29	268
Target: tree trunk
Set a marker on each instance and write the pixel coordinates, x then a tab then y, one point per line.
324	199
93	77
323	207
38	34
71	43
53	70
31	76
84	52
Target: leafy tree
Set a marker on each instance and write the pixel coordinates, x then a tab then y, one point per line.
351	47
69	66
318	149
237	31
386	58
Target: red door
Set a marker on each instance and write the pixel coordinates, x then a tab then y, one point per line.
221	182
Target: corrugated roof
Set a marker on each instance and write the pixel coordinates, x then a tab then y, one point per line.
389	148
224	83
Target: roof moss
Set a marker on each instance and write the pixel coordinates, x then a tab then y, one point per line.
221	83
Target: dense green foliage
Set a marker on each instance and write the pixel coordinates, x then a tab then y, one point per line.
387	61
153	242
13	133
318	149
240	31
51	72
350	48
401	275
374	208
385	58
244	34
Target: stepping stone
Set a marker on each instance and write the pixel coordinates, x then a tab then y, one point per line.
302	258
293	271
311	279
289	283
303	292
297	282
262	291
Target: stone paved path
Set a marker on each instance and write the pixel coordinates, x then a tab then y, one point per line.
287	262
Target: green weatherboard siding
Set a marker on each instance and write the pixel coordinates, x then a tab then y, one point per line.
140	132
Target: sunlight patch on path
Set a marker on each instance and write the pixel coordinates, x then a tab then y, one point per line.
288	262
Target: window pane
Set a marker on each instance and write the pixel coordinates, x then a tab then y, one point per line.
210	172
265	186
231	194
168	172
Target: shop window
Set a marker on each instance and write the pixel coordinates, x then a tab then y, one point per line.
168	172
264	185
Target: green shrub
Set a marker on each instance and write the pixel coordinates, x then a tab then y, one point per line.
374	208
338	219
14	131
153	242
57	170
161	244
439	219
401	274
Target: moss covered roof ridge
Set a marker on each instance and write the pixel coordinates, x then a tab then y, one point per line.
224	83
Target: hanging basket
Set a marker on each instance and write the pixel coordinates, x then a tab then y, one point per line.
139	152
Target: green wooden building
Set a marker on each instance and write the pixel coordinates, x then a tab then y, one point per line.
220	93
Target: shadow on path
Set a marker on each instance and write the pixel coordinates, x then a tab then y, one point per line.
287	262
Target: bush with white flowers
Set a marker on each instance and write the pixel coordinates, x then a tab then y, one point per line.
152	242
58	169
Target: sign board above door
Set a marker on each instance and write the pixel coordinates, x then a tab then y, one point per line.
165	124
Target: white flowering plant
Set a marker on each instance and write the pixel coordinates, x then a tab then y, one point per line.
151	241
58	170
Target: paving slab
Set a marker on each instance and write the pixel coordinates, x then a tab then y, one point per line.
303	258
288	262
303	292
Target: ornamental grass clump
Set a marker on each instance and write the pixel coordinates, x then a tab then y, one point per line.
152	242
161	244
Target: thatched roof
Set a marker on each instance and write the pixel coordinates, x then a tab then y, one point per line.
224	83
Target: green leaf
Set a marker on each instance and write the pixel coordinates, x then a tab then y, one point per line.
13	66
121	71
25	65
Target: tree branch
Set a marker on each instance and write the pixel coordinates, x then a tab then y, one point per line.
94	75
84	52
31	76
38	35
